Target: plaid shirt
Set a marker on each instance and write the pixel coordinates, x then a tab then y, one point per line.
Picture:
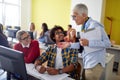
69	56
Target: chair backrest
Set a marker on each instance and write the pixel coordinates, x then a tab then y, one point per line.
17	27
31	35
7	27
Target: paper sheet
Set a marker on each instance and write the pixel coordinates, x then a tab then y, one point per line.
33	72
92	34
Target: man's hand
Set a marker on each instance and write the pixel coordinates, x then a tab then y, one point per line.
41	69
63	45
52	71
37	62
84	42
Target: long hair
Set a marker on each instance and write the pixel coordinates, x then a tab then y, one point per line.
32	26
1	28
45	29
1	31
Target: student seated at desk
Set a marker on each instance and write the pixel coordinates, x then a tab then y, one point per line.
32	29
29	47
59	60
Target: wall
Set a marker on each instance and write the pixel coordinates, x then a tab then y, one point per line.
95	10
25	14
53	12
58	12
113	11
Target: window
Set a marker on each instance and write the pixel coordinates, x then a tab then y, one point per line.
0	13
12	1
10	12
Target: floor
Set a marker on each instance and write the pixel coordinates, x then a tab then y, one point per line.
3	76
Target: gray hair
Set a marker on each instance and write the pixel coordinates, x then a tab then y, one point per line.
80	9
20	33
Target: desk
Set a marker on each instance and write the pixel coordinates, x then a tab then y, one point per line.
33	72
116	51
107	74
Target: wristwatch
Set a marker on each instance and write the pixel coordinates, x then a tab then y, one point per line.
75	65
60	71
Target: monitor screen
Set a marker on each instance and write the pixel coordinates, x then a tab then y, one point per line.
13	61
12	33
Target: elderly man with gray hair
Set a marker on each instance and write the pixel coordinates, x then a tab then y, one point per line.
94	40
30	48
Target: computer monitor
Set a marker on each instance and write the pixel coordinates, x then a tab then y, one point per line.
13	61
12	33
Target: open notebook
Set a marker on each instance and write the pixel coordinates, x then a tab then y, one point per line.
33	72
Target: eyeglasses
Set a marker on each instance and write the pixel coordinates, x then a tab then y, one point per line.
26	38
73	17
59	33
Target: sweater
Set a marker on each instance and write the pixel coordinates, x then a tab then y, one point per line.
31	53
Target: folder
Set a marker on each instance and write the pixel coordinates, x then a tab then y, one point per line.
91	34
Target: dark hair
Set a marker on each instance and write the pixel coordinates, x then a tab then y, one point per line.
70	25
1	28
45	27
1	31
52	32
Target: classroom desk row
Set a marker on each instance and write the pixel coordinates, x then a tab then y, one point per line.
107	74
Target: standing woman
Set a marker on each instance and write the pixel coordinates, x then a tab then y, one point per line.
32	29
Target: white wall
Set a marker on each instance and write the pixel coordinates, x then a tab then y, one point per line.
25	13
95	9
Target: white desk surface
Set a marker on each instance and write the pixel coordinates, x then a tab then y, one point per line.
109	57
115	47
33	72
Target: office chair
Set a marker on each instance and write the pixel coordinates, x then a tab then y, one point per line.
12	33
17	27
7	27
